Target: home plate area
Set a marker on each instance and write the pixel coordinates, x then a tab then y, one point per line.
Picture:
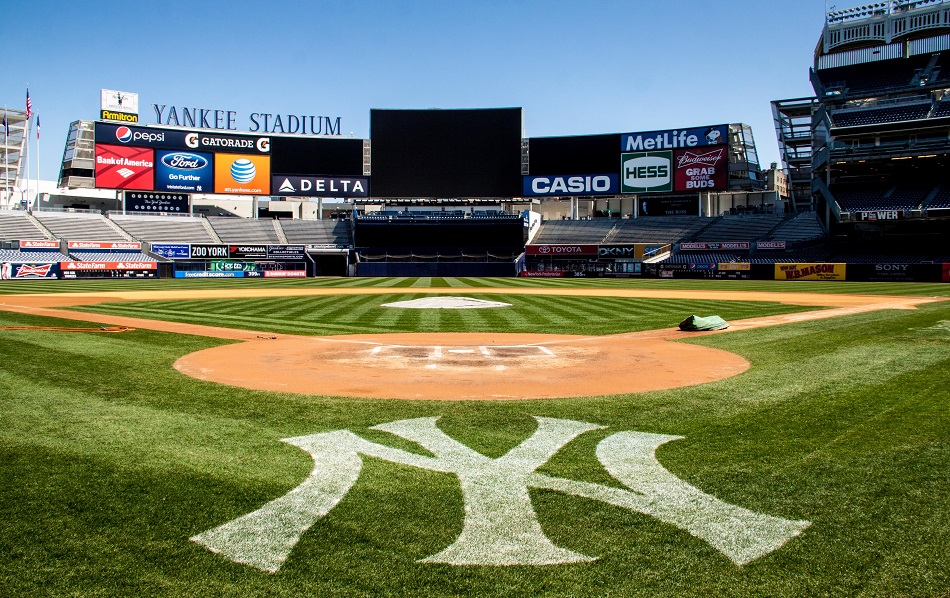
462	366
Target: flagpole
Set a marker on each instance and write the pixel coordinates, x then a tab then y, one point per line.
37	199
26	156
6	163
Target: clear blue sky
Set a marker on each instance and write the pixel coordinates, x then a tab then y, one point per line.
600	66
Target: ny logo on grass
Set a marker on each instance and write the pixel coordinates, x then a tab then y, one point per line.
500	526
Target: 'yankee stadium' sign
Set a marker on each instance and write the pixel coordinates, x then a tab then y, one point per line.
260	122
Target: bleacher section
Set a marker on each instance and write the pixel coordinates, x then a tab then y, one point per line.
863	80
880	115
17	226
241	230
658	229
31	257
114	256
941	200
868	198
803	227
708	257
79	227
162	229
556	232
750	227
317	232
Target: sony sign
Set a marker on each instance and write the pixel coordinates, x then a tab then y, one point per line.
555	185
674	139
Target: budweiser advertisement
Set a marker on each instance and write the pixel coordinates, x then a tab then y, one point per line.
27	271
702	169
561	250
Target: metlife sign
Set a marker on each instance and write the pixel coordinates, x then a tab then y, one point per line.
569	185
674	139
297	186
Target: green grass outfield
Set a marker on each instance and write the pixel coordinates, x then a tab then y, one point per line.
111	460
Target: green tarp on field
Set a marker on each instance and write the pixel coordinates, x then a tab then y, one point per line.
696	324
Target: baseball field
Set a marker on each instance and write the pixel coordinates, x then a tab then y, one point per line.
308	437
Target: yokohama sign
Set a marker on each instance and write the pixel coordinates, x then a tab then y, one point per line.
561	250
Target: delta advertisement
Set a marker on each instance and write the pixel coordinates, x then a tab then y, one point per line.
810	271
242	174
119	167
300	186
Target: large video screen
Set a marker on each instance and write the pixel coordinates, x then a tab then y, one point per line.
582	154
310	156
446	153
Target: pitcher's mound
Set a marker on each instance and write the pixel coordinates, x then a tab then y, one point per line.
447	303
465	366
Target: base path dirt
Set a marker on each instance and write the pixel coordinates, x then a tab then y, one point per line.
468	366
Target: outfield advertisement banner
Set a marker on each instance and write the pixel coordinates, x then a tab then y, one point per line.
285	273
667	206
735	267
184	171
736	246
208	274
542	274
946	272
286	252
72	266
561	250
172	250
104	246
810	271
10	271
301	186
770	245
42	245
675	138
242	174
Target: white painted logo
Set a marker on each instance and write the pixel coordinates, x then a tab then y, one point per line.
500	526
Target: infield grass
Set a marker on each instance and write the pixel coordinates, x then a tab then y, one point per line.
111	459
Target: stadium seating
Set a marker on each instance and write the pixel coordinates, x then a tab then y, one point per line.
17	226
941	199
241	230
707	257
803	227
555	232
741	228
159	229
880	115
862	80
31	257
658	229
879	197
113	256
80	227
317	232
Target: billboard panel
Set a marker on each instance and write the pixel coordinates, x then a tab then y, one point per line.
120	106
104	246
41	245
191	172
286	252
317	157
10	271
302	186
119	167
701	170
582	154
647	172
140	136
172	250
561	250
142	202
213	142
561	185
675	139
242	174
668	206
810	271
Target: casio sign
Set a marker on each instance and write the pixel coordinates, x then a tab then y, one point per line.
184	161
554	185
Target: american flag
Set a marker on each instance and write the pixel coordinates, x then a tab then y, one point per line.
29	104
6	126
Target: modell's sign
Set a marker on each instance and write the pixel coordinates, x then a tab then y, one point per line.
737	246
561	250
105	245
770	245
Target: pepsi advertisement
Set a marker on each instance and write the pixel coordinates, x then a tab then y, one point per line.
188	172
139	136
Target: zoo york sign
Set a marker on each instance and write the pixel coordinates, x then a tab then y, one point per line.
500	526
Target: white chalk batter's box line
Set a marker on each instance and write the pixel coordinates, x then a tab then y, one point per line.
436	353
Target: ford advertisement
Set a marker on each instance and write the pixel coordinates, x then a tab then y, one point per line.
188	172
